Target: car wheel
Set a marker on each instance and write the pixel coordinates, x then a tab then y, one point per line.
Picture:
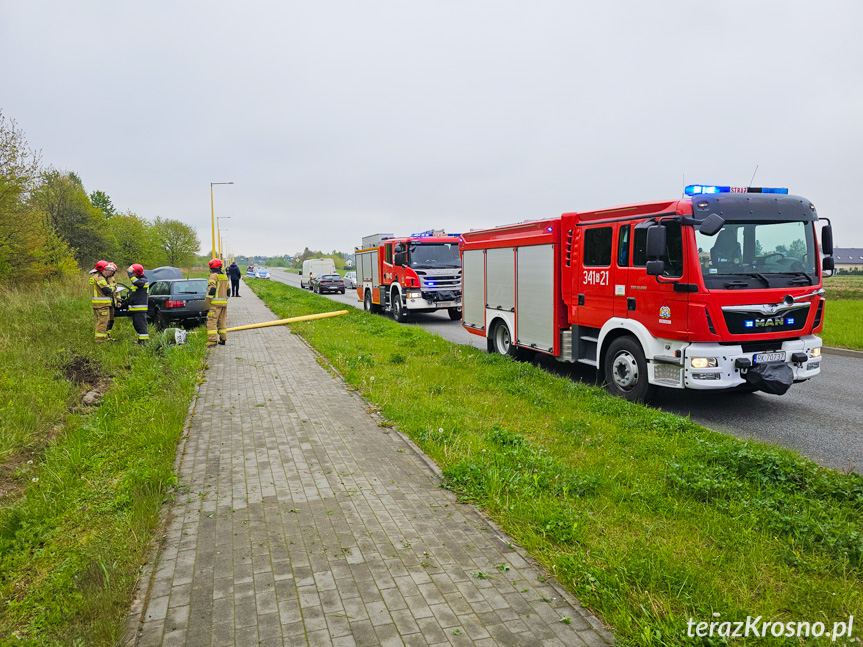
625	371
454	314
342	291
161	320
399	312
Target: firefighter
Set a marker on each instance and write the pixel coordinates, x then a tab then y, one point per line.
138	301
102	286
217	295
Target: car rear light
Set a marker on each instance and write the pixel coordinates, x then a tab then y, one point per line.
174	304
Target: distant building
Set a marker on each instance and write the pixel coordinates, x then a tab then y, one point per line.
349	262
848	258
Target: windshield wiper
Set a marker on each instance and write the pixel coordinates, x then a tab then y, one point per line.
757	275
799	277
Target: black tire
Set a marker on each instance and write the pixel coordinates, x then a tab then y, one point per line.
342	291
625	371
454	314
399	312
162	321
501	341
368	305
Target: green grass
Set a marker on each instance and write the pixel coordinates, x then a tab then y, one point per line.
844	286
843	324
82	487
649	518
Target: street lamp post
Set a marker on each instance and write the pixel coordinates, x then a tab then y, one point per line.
219	229
213	214
220	242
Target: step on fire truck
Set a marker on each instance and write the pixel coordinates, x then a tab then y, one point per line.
416	273
718	290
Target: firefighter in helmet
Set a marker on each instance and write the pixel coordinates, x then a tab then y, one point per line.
102	288
138	301
217	295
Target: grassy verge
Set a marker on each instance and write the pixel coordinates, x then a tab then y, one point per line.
649	518
81	486
842	324
844	287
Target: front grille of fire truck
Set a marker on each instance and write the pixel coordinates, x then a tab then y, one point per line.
431	282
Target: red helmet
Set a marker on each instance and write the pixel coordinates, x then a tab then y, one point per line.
136	268
101	265
110	267
215	263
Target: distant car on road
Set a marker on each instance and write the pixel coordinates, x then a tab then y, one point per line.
180	301
328	283
351	280
250	271
262	273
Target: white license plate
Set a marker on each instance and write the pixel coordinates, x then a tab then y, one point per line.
767	358
445	304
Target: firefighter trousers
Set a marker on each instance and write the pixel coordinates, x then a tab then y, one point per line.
217	324
139	322
104	322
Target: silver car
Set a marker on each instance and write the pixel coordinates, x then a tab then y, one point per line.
351	280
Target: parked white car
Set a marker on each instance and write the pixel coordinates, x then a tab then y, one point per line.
351	280
262	273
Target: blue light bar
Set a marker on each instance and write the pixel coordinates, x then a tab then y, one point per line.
710	189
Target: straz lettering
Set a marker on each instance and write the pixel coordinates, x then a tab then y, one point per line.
595	277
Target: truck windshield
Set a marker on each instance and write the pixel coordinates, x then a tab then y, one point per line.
429	255
777	253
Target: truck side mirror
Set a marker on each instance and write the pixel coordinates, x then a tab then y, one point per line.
711	225
400	259
827	264
827	241
655	268
655	241
399	248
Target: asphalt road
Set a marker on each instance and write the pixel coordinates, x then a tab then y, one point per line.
821	418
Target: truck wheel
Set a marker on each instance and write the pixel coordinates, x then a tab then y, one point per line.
625	371
368	305
454	313
399	312
501	341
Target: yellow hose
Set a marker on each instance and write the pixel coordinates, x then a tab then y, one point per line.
281	322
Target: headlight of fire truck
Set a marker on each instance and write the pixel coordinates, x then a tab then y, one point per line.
703	362
815	352
415	295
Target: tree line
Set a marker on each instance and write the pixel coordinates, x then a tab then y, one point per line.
50	226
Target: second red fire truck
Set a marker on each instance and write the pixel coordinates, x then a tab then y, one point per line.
718	290
416	273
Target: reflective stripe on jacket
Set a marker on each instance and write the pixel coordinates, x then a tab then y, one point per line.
100	291
139	294
219	296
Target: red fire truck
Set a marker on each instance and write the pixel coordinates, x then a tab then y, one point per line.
718	290
416	273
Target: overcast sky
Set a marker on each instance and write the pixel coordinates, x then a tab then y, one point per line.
338	119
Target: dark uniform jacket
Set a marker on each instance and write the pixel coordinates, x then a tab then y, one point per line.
139	294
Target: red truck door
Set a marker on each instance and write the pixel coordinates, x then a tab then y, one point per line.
662	309
596	275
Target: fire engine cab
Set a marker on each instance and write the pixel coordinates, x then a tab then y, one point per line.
718	290
416	273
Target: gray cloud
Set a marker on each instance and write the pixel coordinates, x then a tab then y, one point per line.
338	119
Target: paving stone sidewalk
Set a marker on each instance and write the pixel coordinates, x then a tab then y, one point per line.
299	520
